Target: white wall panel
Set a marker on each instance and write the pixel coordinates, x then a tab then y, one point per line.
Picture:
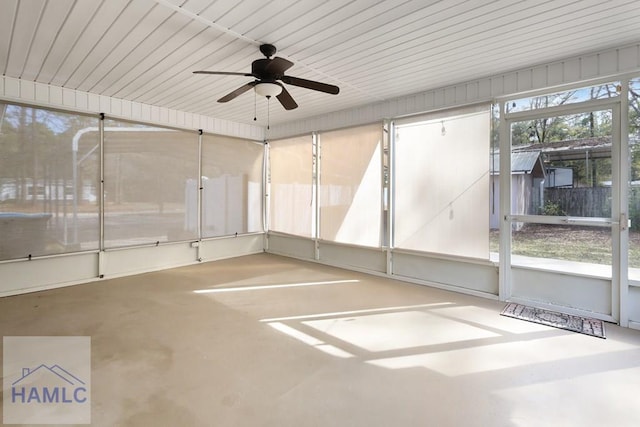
362	259
12	87
628	58
155	114
116	107
292	246
151	258
94	103
608	62
634	304
509	83
438	98
136	112
467	276
589	66
484	89
450	95
570	71
82	101
145	114
27	90
555	75
69	98
51	272
525	80
23	91
42	92
164	113
496	86
579	292
55	95
42	273
230	247
124	262
473	90
539	76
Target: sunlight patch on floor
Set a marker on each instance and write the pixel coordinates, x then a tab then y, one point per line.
309	340
275	286
401	330
493	357
357	312
488	318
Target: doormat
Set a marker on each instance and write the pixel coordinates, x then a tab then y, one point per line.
583	325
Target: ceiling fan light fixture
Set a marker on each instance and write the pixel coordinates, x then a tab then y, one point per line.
268	89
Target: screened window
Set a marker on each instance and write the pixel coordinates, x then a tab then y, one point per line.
149	173
291	186
231	187
350	185
442	182
634	179
603	91
49	169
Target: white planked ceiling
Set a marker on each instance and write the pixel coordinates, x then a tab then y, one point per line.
146	50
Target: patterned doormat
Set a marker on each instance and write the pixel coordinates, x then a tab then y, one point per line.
583	325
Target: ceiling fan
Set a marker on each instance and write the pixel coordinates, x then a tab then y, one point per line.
269	73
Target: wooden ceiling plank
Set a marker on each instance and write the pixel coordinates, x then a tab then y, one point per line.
178	74
71	31
57	13
93	29
108	44
26	23
182	29
145	38
7	27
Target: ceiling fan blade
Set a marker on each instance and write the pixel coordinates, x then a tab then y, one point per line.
224	73
278	66
242	89
286	100
310	84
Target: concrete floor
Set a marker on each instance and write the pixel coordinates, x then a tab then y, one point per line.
269	341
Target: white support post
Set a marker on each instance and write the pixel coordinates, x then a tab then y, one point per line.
199	197
625	178
101	246
315	186
266	189
391	144
504	277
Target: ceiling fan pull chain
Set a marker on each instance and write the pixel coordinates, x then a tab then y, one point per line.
268	110
255	114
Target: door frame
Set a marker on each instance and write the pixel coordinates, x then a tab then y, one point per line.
619	204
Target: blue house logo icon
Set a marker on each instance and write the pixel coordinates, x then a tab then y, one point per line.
46	380
48	384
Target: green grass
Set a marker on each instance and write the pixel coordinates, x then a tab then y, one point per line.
583	244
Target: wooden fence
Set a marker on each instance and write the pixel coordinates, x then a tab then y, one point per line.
589	202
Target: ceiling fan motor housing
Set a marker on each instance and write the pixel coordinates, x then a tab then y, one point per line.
268	50
268	73
260	69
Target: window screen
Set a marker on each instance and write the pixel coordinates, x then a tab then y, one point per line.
49	169
350	185
149	174
231	187
442	184
291	190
